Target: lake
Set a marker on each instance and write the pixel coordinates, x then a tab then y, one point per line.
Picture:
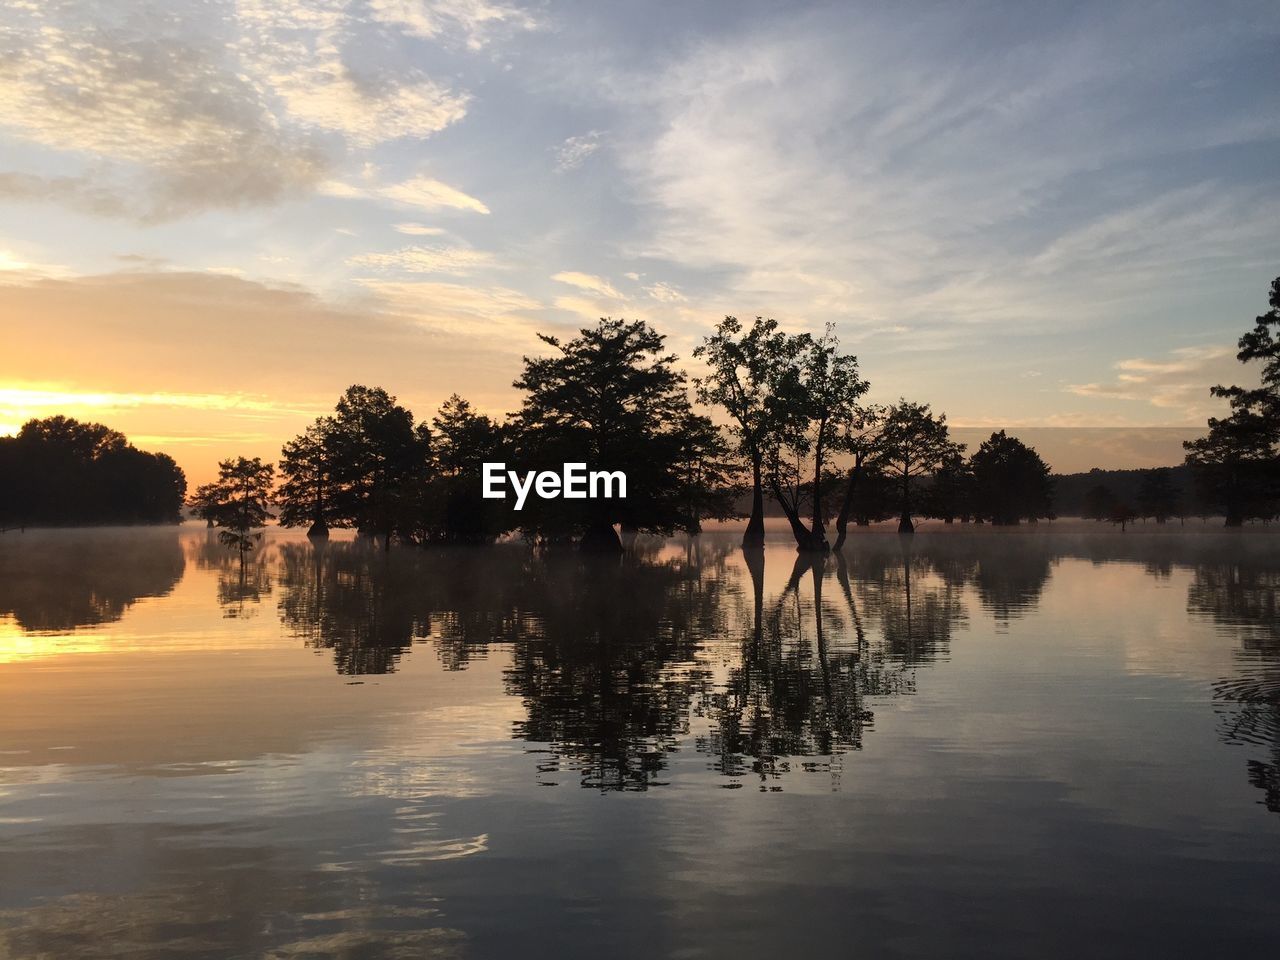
1053	741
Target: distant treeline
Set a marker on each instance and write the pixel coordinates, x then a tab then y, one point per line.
60	472
1079	494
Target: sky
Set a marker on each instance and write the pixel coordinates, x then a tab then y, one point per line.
215	215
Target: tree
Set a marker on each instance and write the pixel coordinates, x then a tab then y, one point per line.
818	396
913	442
952	493
59	471
1238	457
832	392
1099	502
611	398
1158	496
462	442
306	469
858	437
1011	482
238	502
747	369
379	462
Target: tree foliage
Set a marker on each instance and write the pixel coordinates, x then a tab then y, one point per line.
60	471
611	397
238	502
913	442
1239	458
748	369
1010	481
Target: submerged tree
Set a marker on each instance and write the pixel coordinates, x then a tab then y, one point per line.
819	397
366	467
1011	481
912	443
748	369
462	442
1239	454
863	480
306	471
611	398
238	502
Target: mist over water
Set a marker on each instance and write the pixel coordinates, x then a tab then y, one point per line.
1048	741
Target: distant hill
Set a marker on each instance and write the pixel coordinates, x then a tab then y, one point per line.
1070	489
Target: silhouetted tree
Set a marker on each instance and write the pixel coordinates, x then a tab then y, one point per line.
748	370
59	472
818	401
1239	453
913	442
1010	481
1158	496
238	502
306	470
379	463
951	494
454	509
611	398
1099	502
858	436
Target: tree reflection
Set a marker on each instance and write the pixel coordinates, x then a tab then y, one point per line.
365	605
1244	596
243	580
609	679
53	581
810	671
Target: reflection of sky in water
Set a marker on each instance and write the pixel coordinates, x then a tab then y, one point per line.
1026	743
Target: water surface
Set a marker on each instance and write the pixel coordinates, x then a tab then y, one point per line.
1054	741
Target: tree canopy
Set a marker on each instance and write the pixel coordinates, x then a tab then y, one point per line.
1010	481
61	472
1239	458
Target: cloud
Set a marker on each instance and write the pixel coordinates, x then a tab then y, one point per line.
587	281
430	194
504	318
418	230
574	151
168	105
666	293
192	106
860	168
458	261
1178	383
474	22
422	192
297	49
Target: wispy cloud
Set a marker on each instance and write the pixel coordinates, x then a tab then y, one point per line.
587	281
419	230
474	22
456	261
1177	384
574	151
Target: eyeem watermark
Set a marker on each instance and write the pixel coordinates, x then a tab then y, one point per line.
573	482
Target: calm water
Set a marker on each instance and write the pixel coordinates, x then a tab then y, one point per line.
1052	742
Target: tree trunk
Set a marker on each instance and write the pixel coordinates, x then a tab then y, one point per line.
798	529
753	536
818	527
846	508
318	530
904	524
